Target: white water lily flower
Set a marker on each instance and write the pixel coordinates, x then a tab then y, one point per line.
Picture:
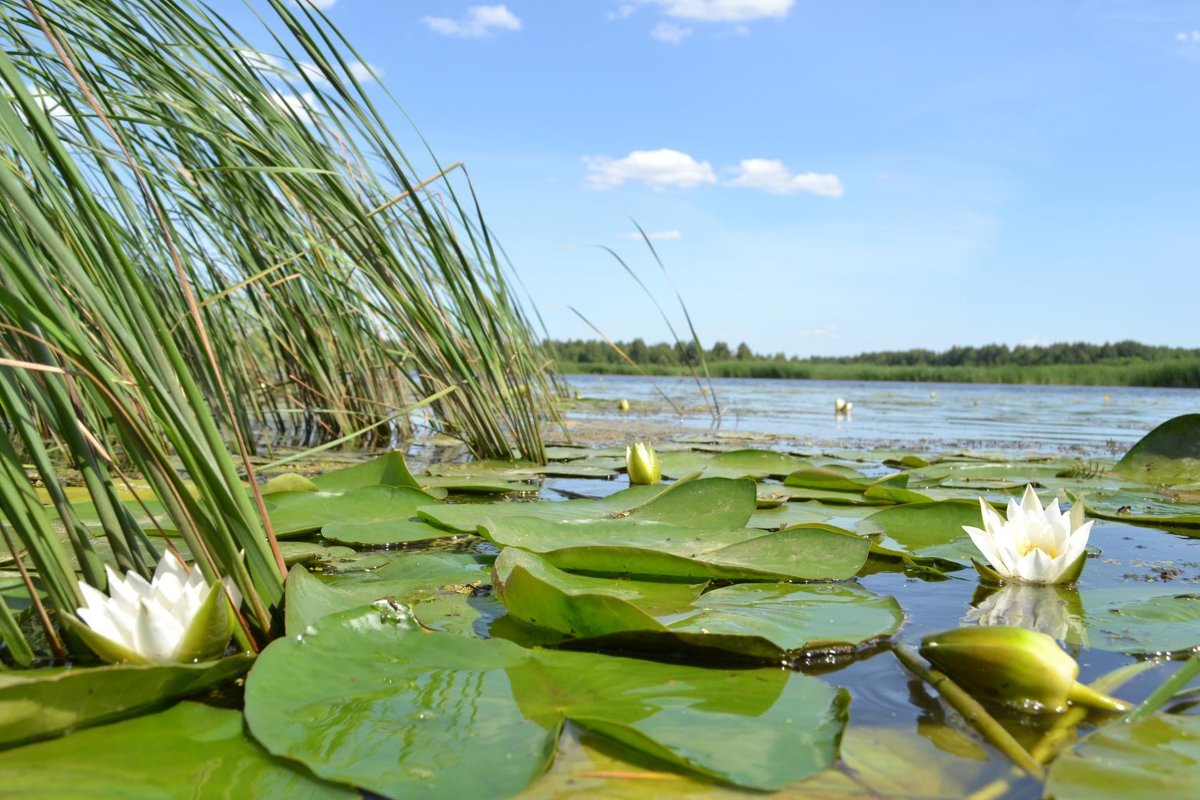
174	617
1035	544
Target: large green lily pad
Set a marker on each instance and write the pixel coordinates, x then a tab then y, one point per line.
744	463
705	502
645	548
926	531
40	703
1168	454
414	580
190	752
1156	757
1179	510
369	699
387	470
368	511
759	621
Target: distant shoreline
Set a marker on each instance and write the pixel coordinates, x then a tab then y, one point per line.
1183	374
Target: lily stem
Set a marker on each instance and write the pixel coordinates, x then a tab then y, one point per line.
971	710
1166	690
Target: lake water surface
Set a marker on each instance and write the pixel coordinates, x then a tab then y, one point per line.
1087	421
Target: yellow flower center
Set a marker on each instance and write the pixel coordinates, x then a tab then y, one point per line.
1028	546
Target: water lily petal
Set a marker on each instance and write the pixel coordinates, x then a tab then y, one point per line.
157	633
1030	503
984	541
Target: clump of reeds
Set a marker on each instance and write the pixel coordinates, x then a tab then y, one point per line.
200	244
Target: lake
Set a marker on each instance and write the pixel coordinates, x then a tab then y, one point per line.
1084	421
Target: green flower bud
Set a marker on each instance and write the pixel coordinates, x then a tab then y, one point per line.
1014	666
642	463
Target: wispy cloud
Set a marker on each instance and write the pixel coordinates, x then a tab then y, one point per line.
725	10
480	21
769	175
654	236
1187	36
667	168
657	168
304	106
670	32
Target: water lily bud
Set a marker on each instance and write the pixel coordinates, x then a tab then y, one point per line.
642	463
1017	667
622	404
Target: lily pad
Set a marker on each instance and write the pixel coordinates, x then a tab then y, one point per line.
191	751
1152	758
1141	620
706	502
926	531
371	508
368	698
758	621
1149	508
309	598
1168	454
40	703
387	470
745	463
465	517
645	548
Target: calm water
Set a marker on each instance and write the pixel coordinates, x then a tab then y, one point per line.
1088	421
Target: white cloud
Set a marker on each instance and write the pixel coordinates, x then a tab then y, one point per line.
654	236
773	176
322	4
725	10
364	73
657	168
304	106
624	11
479	22
670	32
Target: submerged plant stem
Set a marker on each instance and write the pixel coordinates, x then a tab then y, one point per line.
971	710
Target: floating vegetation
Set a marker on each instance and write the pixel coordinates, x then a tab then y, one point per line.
675	633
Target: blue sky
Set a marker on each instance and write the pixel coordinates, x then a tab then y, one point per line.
820	178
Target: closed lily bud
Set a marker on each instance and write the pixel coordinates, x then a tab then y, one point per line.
642	463
1014	666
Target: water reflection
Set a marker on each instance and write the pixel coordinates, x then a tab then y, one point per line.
1054	610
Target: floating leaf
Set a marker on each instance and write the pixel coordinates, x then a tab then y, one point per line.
189	751
760	621
1153	758
465	517
643	548
387	470
309	598
927	530
40	703
1168	454
369	699
297	513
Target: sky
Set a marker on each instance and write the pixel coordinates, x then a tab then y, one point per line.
818	178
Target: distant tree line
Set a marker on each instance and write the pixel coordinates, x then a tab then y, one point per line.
684	354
